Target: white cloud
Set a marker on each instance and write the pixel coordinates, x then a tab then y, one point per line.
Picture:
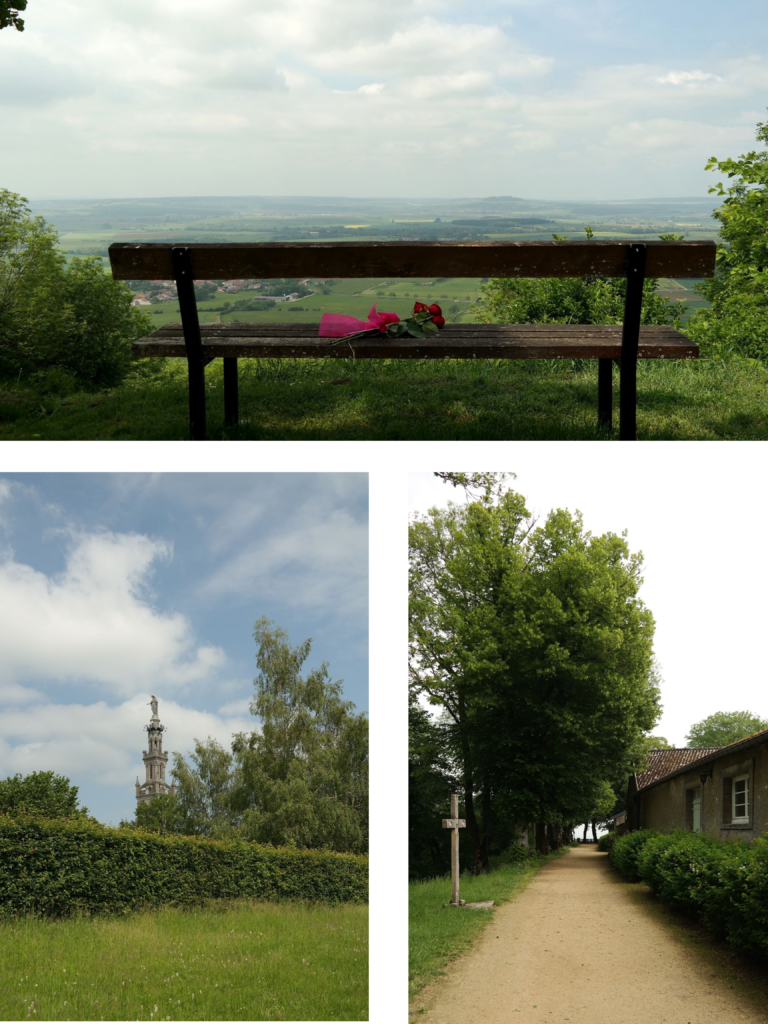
688	77
311	98
96	621
105	742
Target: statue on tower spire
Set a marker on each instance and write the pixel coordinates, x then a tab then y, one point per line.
155	762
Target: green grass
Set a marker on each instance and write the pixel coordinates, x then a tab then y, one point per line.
404	400
241	961
437	934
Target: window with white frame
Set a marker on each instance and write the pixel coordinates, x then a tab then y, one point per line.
740	805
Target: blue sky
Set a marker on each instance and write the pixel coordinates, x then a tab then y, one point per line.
534	98
116	586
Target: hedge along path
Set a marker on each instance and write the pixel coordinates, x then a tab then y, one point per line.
574	946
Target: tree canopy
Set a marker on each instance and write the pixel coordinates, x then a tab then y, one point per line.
725	727
534	643
56	319
738	319
9	14
571	300
40	793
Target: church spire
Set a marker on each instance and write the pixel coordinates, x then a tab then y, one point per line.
155	761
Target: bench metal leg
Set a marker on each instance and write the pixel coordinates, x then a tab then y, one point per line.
231	411
193	343
605	394
630	341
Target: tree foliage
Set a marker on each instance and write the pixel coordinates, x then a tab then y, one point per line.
42	793
571	300
73	318
725	727
535	643
9	14
430	784
302	780
160	814
203	790
737	321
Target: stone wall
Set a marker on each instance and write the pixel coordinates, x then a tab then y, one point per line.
668	805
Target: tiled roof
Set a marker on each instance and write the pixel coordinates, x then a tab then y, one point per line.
663	762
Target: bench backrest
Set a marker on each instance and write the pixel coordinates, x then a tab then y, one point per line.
148	261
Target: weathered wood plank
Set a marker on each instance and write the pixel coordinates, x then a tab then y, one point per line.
152	260
456	341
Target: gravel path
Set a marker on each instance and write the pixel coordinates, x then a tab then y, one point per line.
574	946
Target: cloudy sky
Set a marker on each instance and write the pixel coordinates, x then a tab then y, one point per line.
116	586
691	510
535	98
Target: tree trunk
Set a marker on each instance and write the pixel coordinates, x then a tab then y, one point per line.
552	837
469	805
584	837
472	826
594	830
485	845
541	838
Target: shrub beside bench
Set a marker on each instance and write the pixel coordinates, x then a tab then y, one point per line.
200	344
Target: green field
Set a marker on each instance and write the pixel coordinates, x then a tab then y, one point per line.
227	961
456	296
87	226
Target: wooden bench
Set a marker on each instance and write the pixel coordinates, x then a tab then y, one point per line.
199	344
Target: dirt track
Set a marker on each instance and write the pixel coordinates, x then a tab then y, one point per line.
575	946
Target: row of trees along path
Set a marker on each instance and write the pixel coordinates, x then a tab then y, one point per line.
575	946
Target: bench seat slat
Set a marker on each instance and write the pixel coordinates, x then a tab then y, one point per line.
455	341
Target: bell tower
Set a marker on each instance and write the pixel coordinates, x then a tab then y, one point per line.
155	761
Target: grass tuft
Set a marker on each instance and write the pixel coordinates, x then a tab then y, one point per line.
397	400
227	961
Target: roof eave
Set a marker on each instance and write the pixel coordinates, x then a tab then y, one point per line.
722	752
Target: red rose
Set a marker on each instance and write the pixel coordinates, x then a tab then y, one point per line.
439	320
420	307
435	310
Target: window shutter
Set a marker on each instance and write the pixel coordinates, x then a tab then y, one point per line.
727	802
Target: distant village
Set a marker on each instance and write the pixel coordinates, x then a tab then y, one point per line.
165	291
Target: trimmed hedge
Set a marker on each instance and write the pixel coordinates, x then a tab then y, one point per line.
605	843
724	882
625	852
57	866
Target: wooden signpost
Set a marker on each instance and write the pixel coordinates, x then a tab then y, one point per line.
455	823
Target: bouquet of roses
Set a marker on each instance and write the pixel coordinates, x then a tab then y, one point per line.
425	320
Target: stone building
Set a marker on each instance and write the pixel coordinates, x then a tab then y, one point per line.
155	761
719	790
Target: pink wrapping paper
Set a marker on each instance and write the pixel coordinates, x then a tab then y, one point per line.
336	325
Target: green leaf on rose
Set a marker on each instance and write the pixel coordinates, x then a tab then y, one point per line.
430	328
